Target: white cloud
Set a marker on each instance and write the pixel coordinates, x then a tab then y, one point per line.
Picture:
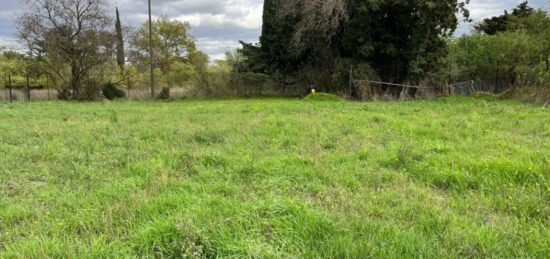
218	25
481	9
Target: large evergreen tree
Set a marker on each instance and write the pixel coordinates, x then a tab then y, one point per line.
506	21
120	59
275	43
400	39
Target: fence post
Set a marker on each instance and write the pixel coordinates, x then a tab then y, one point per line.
6	85
28	89
9	85
350	81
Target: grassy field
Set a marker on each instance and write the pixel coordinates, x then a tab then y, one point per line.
453	177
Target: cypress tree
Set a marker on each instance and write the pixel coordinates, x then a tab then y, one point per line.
119	42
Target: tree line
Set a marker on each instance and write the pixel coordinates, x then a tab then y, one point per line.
81	49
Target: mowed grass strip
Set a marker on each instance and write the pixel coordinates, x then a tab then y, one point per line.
453	177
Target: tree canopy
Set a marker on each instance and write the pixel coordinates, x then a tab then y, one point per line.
506	21
401	40
172	43
72	35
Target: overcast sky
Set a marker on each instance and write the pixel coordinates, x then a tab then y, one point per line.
218	25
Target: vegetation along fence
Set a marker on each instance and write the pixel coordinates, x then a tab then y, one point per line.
11	93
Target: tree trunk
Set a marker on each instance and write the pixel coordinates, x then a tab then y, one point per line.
76	81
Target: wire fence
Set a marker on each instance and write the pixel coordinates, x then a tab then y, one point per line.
24	95
372	89
378	90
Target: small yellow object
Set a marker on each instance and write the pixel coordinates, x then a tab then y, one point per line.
313	91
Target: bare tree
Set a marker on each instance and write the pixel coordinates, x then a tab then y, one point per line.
73	35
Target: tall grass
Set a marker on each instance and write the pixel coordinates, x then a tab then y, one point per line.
454	177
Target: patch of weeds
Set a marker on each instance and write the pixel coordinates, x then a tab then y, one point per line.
347	130
330	143
208	137
113	117
439	149
453	180
288	143
404	158
323	97
249	172
167	240
378	119
363	155
187	162
213	161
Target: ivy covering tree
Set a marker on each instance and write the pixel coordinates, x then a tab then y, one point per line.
314	40
401	40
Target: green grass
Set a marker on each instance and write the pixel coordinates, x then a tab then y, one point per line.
322	97
453	177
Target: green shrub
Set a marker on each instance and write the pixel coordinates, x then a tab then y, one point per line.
111	91
164	93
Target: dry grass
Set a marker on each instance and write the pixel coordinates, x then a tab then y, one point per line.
48	95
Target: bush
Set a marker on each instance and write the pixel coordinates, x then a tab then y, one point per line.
322	97
111	91
164	93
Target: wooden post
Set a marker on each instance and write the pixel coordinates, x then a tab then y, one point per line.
350	81
9	85
6	85
151	54
28	89
128	86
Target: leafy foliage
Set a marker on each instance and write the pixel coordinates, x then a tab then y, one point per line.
72	37
400	40
521	54
505	22
111	91
164	93
172	43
